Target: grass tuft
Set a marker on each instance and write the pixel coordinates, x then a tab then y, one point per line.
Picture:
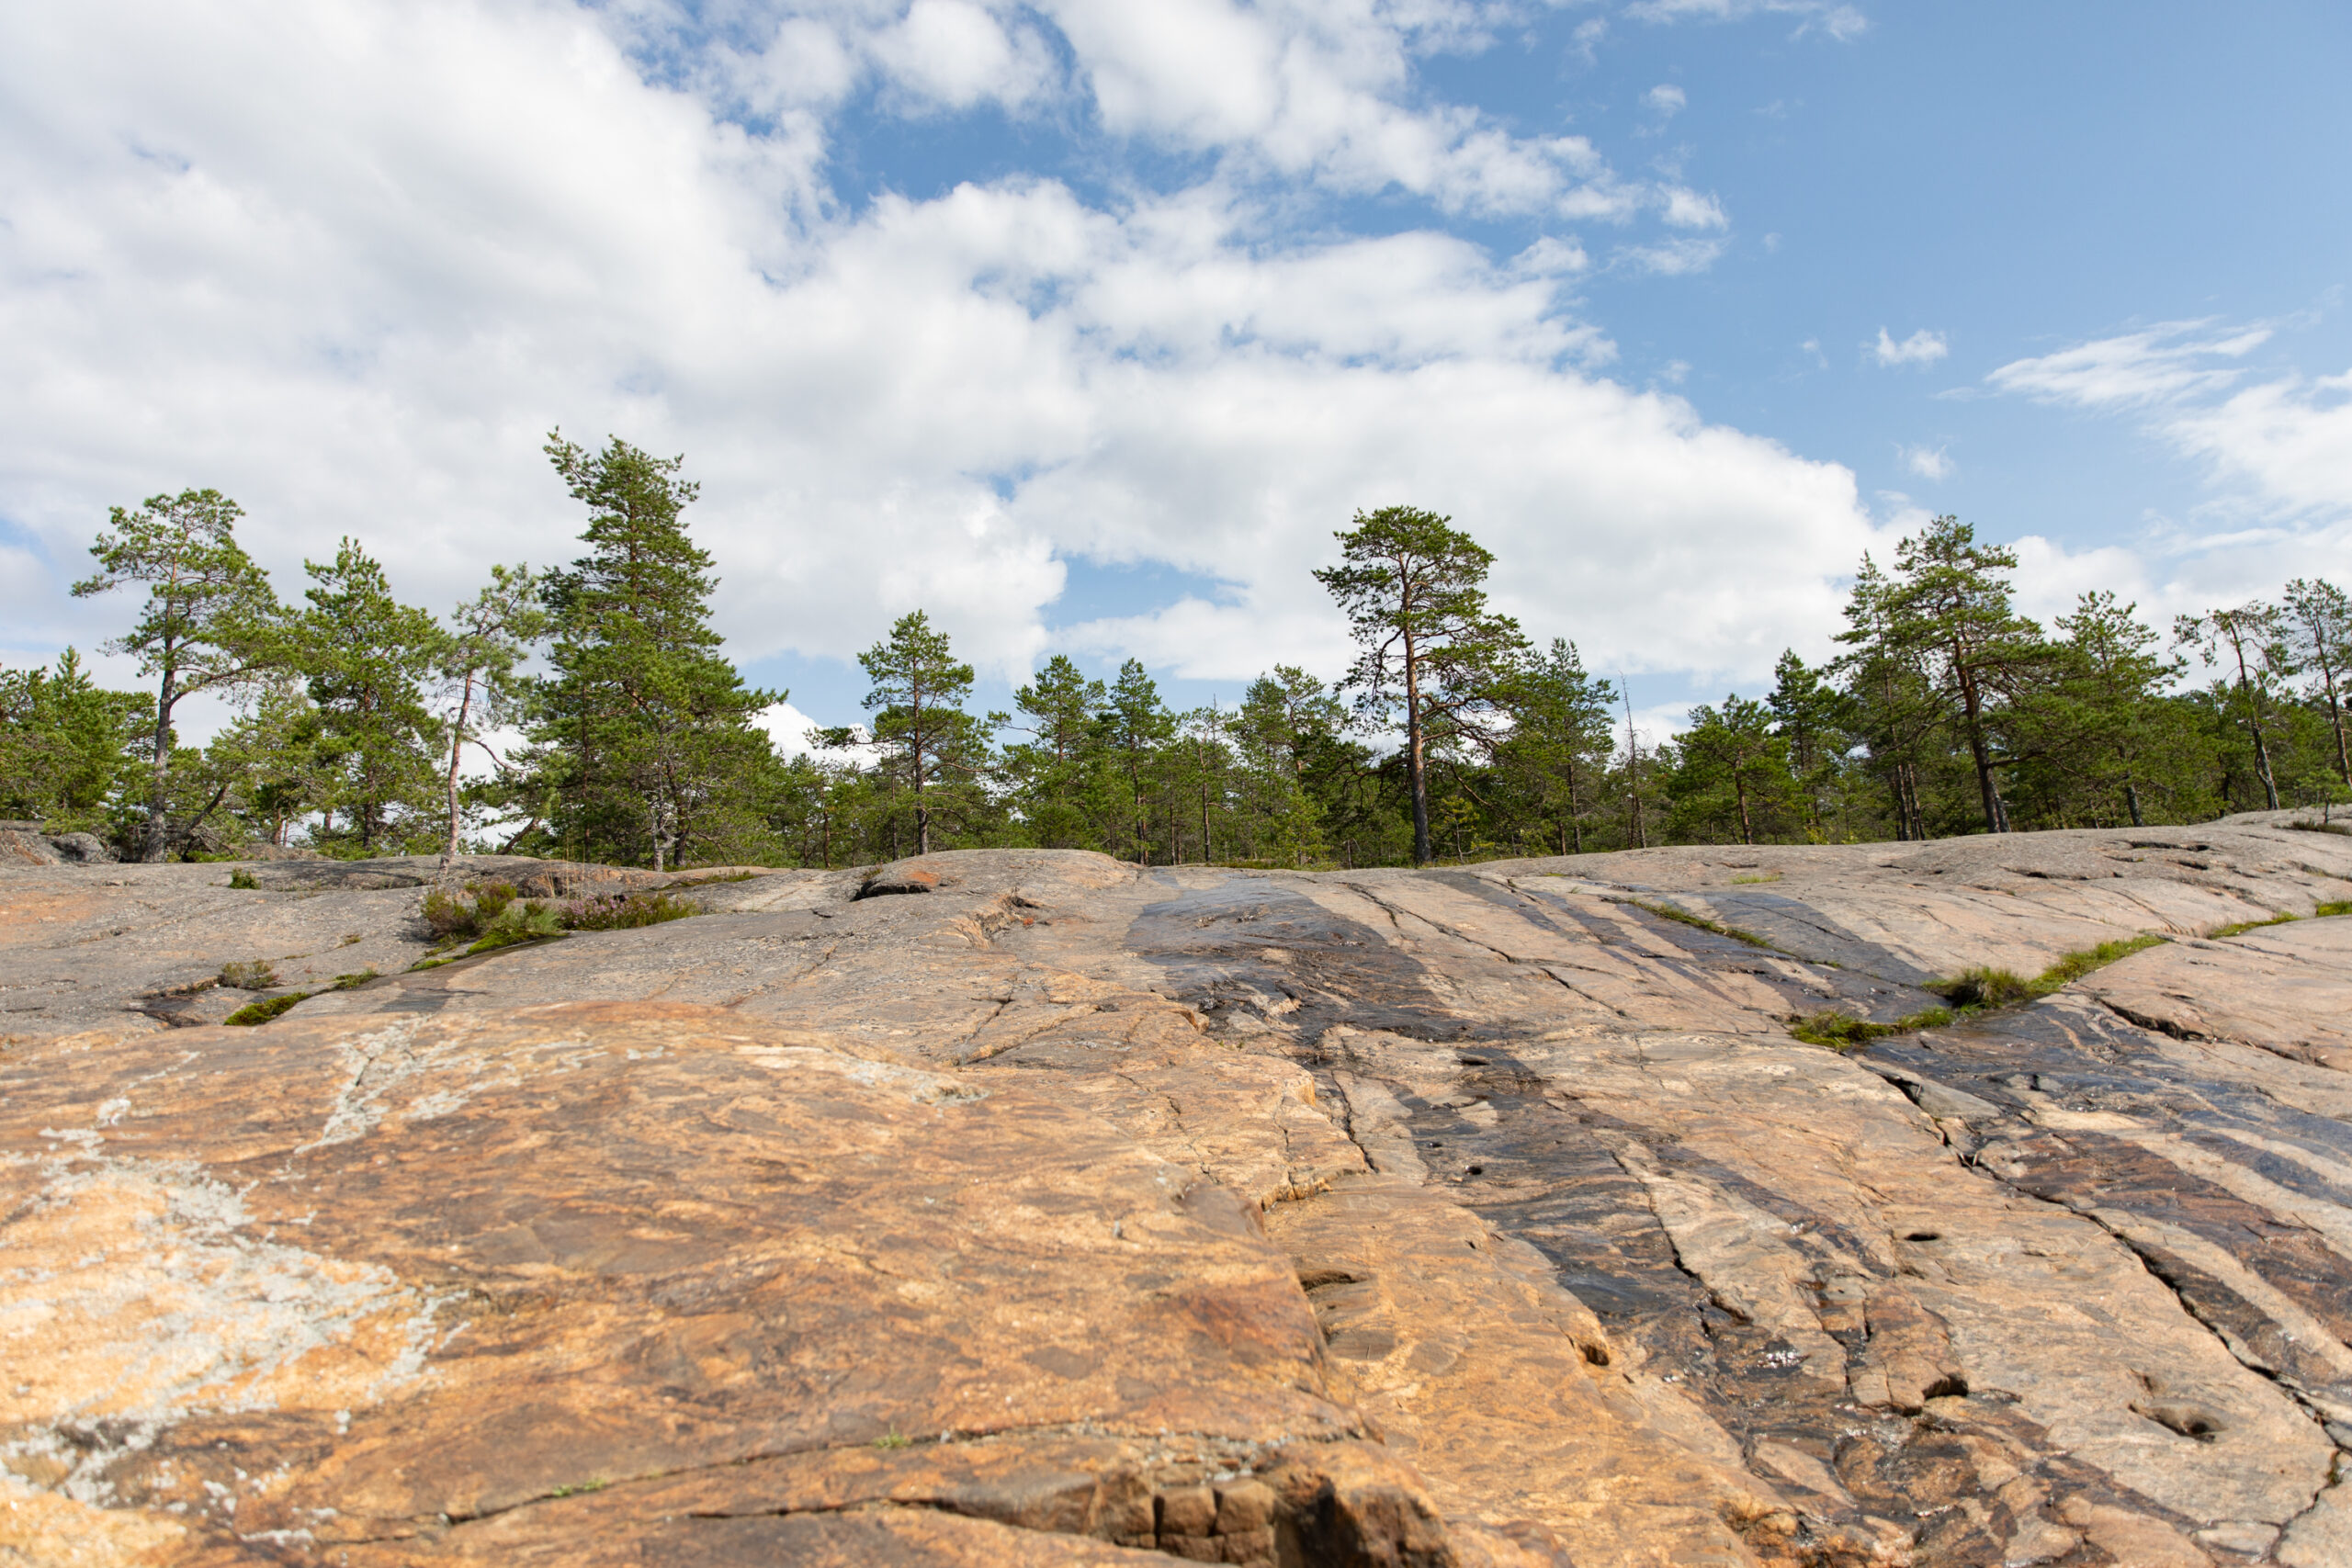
1685	917
1982	990
1768	877
263	1011
353	982
1843	1031
253	975
2333	907
243	878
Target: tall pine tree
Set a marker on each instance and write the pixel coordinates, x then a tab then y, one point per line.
653	741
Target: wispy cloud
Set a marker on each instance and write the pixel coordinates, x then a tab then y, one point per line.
1665	100
1927	462
2171	359
2285	439
1831	16
1922	347
1669	258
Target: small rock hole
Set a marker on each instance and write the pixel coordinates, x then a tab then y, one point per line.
1472	1061
1477	1170
1596	1354
1954	1387
1925	1236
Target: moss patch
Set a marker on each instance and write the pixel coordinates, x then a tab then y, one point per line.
263	1011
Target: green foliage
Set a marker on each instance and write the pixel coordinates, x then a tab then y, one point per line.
1982	990
649	747
1685	917
263	1011
1430	651
211	622
1843	1031
1732	775
242	878
2241	927
932	748
66	746
367	658
623	911
2074	965
353	981
249	975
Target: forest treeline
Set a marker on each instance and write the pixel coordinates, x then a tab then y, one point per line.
1454	734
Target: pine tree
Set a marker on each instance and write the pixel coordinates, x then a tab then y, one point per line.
937	751
1051	773
652	732
1137	724
66	745
1731	769
2319	642
1807	714
1287	722
211	622
1413	588
2248	637
1561	738
367	657
2108	694
480	670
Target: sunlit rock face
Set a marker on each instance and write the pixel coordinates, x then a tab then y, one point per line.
1026	1207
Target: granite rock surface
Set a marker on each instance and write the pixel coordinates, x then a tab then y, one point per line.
1013	1207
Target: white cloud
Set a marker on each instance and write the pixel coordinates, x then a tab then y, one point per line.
2284	443
1666	99
490	224
2163	362
1669	258
1922	347
1927	462
1688	210
954	54
1839	20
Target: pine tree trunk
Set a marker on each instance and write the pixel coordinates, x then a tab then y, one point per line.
156	836
1423	852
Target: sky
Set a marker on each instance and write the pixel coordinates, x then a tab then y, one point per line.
1083	324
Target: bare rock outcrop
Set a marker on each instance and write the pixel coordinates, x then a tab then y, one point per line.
1027	1207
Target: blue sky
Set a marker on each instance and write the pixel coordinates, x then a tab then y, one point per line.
1082	325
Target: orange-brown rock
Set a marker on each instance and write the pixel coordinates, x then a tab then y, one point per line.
1026	1207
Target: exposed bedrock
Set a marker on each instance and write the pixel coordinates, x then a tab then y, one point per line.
1023	1207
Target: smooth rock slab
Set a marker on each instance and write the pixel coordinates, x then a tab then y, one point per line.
321	1285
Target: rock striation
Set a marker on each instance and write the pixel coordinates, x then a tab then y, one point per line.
1027	1207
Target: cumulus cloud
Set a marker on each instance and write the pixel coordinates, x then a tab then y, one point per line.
1922	347
1666	99
356	291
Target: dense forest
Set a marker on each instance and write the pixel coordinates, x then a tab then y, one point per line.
1453	735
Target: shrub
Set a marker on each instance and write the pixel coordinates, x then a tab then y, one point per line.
255	975
243	878
624	911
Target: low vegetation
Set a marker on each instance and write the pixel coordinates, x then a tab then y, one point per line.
1685	917
494	915
1843	1031
249	975
1969	992
263	1010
